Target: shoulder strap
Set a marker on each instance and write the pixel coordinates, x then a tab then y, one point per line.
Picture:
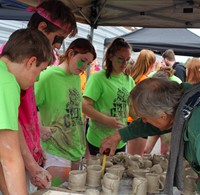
192	102
188	102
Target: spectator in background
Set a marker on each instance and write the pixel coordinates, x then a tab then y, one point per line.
143	66
193	70
165	72
169	60
127	71
158	65
94	67
105	96
129	67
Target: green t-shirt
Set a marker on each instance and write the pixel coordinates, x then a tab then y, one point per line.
110	98
59	99
9	99
171	78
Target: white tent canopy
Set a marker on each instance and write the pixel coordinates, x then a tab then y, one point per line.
142	13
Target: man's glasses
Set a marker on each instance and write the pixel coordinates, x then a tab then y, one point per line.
58	39
121	60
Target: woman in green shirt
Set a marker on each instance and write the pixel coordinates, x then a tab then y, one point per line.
106	94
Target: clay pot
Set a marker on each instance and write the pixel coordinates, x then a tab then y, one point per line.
116	170
77	180
154	183
139	186
94	173
111	183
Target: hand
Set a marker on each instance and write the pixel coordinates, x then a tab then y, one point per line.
42	159
45	133
110	143
114	122
40	177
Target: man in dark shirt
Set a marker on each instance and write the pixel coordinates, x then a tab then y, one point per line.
169	59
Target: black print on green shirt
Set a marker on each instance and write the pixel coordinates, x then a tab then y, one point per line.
73	115
120	104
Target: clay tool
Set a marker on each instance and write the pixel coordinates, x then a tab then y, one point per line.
105	154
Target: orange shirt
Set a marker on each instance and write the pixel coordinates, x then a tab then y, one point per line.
144	76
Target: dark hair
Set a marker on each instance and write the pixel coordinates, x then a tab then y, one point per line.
79	45
24	43
116	45
59	11
169	54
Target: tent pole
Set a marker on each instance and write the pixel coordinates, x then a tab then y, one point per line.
90	38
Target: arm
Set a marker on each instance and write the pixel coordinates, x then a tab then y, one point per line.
151	143
38	176
111	122
136	129
140	129
44	130
12	163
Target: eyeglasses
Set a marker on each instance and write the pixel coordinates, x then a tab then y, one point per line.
58	39
121	60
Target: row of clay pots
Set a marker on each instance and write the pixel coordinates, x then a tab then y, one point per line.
137	167
79	180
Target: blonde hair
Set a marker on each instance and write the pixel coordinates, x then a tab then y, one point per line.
193	70
144	62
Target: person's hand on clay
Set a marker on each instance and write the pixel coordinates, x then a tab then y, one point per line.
45	133
40	177
42	159
110	143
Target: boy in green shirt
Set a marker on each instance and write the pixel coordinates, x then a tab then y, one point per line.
24	56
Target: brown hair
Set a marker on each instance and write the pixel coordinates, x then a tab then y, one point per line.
59	11
168	70
193	70
129	67
24	43
144	62
116	45
79	45
169	54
